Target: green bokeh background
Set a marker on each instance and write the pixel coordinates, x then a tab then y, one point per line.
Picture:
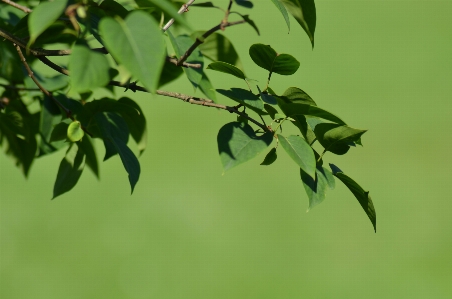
190	232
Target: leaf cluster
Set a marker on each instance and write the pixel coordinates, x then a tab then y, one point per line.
117	43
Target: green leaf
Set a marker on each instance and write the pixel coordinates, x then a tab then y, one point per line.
10	66
136	121
269	99
247	19
300	151
181	44
267	58
271	111
218	47
43	16
304	12
88	69
114	134
298	108
167	7
337	138
207	88
270	157
138	44
296	95
205	4
111	125
70	170
316	188
113	8
170	72
244	3
246	98
50	117
362	196
59	132
283	11
75	131
237	143
226	68
87	148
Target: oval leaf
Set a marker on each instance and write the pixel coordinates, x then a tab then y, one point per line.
75	131
227	68
88	69
237	143
270	157
362	196
142	52
298	108
44	15
267	58
299	150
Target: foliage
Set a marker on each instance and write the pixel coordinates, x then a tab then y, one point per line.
131	42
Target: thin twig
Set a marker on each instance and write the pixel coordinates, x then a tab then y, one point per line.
18	6
185	64
226	16
183	9
45	91
198	41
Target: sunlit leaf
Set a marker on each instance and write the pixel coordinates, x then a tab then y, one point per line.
226	68
304	12
137	43
283	11
75	131
337	138
299	150
317	187
43	16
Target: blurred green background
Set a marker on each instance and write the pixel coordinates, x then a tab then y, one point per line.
189	232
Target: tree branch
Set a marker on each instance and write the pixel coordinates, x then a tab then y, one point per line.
18	6
45	91
184	57
183	9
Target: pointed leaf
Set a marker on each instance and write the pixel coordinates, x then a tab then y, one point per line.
70	170
267	58
227	68
137	43
87	148
43	16
296	95
129	160
270	157
75	131
283	11
181	44
299	150
304	12
244	3
362	196
88	69
336	138
298	108
237	143
316	188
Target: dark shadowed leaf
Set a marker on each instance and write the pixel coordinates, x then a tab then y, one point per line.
362	196
246	98
218	47
137	43
205	4
87	147
88	69
181	44
59	132
270	157
74	131
267	58
227	68
237	143
283	11
170	72
316	188
244	3
70	170
304	12
337	138
269	99
299	150
298	108
296	95
43	16
113	8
